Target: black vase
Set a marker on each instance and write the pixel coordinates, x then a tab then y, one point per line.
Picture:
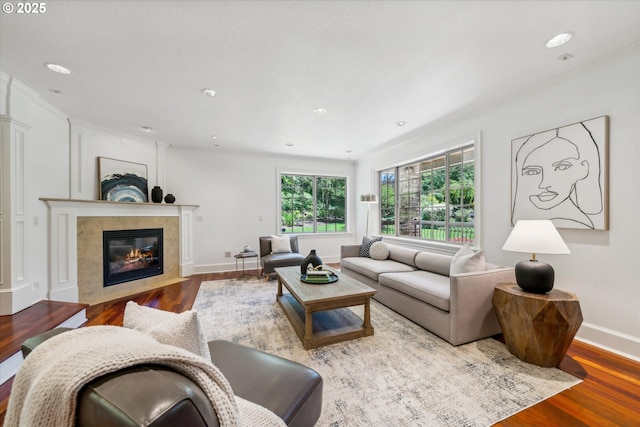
312	259
156	194
169	198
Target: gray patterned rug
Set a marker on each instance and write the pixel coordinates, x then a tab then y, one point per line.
401	376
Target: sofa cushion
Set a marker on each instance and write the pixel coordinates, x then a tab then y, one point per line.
466	260
403	255
371	268
178	329
366	245
280	244
432	288
379	251
285	259
436	263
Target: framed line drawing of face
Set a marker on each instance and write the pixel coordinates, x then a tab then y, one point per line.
562	175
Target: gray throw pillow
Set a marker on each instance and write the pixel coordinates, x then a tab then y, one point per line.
366	245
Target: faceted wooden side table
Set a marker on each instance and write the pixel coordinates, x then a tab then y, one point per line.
537	328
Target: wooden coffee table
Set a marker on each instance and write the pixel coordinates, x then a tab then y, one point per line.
318	313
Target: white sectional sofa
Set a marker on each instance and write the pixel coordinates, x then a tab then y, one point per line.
418	285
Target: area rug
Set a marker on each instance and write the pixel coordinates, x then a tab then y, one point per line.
401	376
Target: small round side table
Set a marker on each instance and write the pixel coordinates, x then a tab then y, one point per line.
537	328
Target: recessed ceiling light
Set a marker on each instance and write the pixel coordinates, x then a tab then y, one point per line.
57	68
558	40
565	57
147	129
401	123
56	91
216	137
320	111
288	144
209	92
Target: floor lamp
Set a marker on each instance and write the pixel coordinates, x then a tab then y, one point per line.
368	199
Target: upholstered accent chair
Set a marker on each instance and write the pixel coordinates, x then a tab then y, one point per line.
157	395
270	260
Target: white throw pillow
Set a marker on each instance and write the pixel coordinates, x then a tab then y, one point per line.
178	329
366	245
280	244
379	251
466	260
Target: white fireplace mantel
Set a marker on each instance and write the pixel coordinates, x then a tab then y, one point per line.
63	237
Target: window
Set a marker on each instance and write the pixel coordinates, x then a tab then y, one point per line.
313	204
431	199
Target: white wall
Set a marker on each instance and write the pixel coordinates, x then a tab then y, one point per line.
60	161
237	194
603	268
88	142
43	171
235	190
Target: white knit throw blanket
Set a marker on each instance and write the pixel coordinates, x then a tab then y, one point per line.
46	388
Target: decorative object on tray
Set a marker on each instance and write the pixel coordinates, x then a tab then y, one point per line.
312	259
156	194
169	198
121	181
247	249
318	275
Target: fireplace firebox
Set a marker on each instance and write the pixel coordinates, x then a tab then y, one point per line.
131	255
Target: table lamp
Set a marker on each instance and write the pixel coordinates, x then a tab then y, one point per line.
535	236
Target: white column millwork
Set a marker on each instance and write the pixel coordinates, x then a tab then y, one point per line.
187	262
15	289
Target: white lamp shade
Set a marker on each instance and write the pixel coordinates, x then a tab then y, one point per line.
535	236
368	198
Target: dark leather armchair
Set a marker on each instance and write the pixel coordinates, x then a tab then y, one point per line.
271	261
156	396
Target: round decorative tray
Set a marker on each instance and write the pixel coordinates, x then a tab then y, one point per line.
332	278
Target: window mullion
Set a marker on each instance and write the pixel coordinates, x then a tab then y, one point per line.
447	199
396	186
315	203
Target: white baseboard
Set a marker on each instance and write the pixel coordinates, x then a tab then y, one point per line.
75	321
186	269
10	366
15	299
66	294
616	342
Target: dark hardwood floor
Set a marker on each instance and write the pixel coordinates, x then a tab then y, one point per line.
608	396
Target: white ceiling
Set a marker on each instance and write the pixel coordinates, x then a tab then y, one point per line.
369	63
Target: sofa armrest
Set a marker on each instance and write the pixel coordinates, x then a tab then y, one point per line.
31	343
472	315
348	251
144	395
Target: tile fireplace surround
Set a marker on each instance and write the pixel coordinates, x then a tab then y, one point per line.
75	251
